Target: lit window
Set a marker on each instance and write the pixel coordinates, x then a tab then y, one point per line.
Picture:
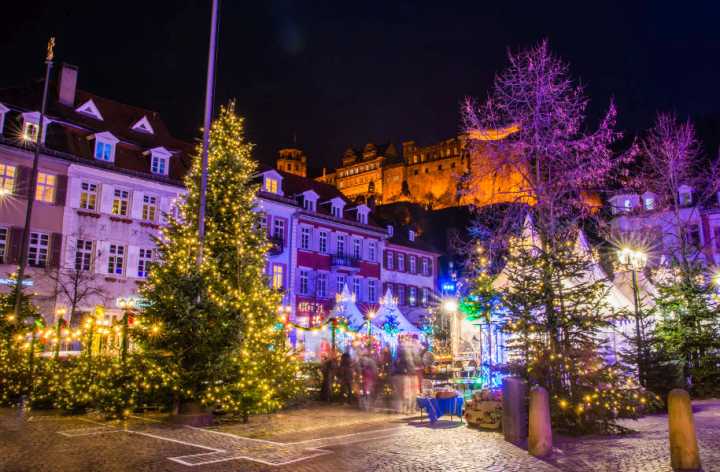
103	151
116	259
304	282
121	202
30	131
322	242
7	179
45	190
340	283
649	203
322	285
425	296
305	238
38	249
413	264
149	209
389	260
144	260
277	277
357	248
3	243
372	249
372	291
271	185
88	196
159	165
412	296
627	204
425	266
401	262
83	255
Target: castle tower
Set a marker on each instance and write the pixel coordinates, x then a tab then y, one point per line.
292	161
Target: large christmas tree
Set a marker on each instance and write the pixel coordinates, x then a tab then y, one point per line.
217	321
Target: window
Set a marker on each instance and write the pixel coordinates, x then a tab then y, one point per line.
401	294
425	266
356	287
372	249
3	243
323	241
401	262
309	205
693	236
390	230
305	238
144	260
263	222
159	165
685	198
322	285
278	277
336	211
45	190
649	203
340	283
271	185
372	291
362	216
88	196
30	131
413	264
341	245
7	179
411	235
116	259
103	151
389	260
304	282
83	255
278	229
121	202
425	296
412	296
627	205
357	248
38	249
149	209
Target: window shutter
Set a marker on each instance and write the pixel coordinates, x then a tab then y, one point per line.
61	190
430	266
415	267
106	198
136	203
55	247
22	181
13	255
385	259
131	261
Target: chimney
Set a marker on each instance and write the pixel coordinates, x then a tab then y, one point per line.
67	85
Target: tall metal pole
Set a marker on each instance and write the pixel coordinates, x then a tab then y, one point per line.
638	332
209	85
33	182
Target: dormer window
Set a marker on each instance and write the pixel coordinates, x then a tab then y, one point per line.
159	160
104	149
648	201
310	198
272	182
89	109
271	185
411	235
362	214
31	126
390	230
337	207
336	211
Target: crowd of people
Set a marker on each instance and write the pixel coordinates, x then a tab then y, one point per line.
376	377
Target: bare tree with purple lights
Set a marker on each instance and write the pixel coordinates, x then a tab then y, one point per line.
539	114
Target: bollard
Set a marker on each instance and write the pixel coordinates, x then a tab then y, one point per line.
684	452
514	419
540	427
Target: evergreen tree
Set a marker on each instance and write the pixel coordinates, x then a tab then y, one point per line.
217	321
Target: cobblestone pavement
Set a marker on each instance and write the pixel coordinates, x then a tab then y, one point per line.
326	439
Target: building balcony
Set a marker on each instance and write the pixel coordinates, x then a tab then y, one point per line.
277	245
344	261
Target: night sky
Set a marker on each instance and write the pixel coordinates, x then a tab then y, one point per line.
341	73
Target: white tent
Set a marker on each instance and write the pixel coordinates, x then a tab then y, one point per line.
345	307
388	308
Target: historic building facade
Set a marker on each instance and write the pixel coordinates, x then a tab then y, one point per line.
438	175
108	173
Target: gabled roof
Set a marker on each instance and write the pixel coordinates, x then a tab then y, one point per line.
89	108
143	125
104	136
67	133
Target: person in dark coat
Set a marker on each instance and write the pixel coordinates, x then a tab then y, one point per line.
346	376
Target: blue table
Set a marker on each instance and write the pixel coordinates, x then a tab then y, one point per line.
437	407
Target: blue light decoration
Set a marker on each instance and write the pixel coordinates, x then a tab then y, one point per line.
391	325
25	282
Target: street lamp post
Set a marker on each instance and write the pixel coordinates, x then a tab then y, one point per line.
635	260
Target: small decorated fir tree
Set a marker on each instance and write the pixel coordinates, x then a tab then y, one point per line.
217	321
